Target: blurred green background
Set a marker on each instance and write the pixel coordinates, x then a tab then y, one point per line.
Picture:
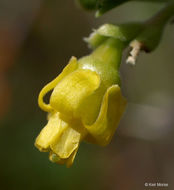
37	38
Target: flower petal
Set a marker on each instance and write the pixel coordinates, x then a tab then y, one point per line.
50	132
112	108
68	161
69	94
66	144
72	66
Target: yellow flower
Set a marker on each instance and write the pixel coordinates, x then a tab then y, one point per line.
86	104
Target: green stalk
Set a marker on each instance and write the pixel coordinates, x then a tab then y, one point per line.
150	37
163	15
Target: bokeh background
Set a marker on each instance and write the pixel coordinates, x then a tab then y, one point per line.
37	38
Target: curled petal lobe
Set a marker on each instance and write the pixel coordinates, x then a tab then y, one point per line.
112	108
72	66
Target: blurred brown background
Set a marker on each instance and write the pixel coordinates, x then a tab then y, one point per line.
37	38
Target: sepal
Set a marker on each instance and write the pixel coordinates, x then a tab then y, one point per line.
112	108
123	32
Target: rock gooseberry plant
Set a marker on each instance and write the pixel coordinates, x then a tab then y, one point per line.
86	103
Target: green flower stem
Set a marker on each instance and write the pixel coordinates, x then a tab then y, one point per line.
163	15
150	37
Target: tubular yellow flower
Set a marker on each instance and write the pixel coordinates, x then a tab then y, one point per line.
86	103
